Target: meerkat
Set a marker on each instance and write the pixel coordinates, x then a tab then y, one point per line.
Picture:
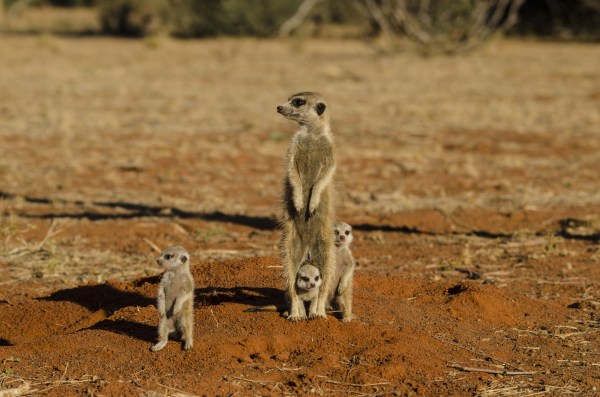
341	295
307	200
308	282
175	297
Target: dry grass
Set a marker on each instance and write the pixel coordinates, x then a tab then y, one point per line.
480	127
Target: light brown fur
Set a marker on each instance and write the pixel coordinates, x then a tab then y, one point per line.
341	294
308	282
175	297
308	206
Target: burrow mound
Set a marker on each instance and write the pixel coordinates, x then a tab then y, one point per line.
406	334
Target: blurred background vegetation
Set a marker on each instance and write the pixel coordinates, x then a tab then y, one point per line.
446	25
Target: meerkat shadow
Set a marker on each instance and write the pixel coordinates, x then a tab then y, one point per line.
139	331
251	296
100	296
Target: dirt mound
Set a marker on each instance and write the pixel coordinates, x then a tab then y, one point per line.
409	334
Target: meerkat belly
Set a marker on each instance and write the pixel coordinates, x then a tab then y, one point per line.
309	162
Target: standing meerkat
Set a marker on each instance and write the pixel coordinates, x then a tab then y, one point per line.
307	201
175	297
341	295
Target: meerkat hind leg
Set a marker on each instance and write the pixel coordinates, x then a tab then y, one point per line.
327	260
187	332
164	329
345	304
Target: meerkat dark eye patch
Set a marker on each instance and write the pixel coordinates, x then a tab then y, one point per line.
304	278
183	259
168	257
321	108
347	232
317	278
297	102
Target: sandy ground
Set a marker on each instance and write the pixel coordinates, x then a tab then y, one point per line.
471	182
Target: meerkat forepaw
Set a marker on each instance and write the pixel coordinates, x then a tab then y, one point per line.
159	346
347	318
188	345
295	319
312	208
315	316
298	203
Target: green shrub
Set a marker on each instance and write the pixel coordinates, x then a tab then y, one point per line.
257	17
195	18
133	17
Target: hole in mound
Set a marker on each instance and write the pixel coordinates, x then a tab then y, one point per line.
457	289
4	342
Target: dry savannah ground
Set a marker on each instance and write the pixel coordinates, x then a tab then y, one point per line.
472	183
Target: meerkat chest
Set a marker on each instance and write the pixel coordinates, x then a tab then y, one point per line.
174	285
312	153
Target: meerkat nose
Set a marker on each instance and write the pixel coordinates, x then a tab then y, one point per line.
342	238
279	109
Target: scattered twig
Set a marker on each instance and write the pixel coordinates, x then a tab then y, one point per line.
179	392
486	356
260	382
52	231
490	371
289	369
152	245
215	317
17	391
65	371
335	382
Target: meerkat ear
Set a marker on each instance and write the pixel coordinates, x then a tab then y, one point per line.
183	259
320	108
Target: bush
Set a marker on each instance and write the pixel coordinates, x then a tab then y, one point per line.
195	18
133	17
256	18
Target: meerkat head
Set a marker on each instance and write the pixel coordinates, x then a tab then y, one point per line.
308	278
306	108
343	234
172	257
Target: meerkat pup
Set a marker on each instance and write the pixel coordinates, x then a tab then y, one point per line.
175	297
341	295
308	282
307	200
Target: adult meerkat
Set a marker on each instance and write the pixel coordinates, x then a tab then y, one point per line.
308	282
175	297
308	209
341	295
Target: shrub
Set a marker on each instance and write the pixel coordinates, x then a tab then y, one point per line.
133	17
195	18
